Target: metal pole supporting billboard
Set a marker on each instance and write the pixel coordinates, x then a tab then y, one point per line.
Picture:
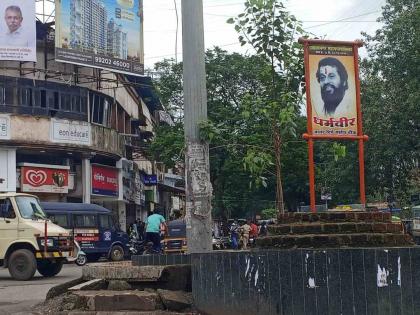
197	171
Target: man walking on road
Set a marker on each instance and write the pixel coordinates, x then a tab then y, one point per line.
153	222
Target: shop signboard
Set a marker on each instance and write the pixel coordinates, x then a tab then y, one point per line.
45	178
105	34
74	132
150	180
4	127
17	30
104	180
139	197
128	180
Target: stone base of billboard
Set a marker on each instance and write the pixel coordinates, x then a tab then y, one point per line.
335	229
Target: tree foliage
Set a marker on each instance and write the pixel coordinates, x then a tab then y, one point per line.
234	134
272	31
391	94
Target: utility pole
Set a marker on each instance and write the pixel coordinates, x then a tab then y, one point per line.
197	169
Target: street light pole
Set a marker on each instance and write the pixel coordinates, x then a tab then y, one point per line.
197	170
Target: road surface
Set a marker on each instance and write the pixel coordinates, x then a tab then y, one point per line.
19	297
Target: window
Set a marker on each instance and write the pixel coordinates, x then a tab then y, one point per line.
26	97
53	100
75	103
6	209
10	98
65	102
83	106
105	221
59	219
84	220
2	95
100	109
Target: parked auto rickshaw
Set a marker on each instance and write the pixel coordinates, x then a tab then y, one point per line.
175	240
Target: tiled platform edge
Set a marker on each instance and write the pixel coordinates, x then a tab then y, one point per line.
373	281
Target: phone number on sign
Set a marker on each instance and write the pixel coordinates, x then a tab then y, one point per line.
110	62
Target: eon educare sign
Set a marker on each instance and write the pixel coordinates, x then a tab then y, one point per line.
104	180
74	132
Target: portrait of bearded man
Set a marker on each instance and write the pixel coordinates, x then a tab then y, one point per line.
333	80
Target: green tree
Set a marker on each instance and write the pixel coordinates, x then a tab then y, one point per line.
231	79
391	94
272	32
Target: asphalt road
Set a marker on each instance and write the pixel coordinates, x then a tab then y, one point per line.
18	297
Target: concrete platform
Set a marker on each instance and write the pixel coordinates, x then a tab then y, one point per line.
120	300
122	271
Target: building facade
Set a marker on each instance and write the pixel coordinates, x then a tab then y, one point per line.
76	134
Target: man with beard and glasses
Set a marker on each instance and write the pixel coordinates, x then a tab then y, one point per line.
333	79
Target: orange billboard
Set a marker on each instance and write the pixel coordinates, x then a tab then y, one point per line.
332	90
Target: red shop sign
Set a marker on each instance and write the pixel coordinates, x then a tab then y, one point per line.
104	180
46	180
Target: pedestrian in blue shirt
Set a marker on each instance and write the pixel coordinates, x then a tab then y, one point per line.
153	222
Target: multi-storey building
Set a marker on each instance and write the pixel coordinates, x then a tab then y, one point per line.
76	134
88	25
117	45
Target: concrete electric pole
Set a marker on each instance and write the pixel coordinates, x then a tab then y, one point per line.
197	169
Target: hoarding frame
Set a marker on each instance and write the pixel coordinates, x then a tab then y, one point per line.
310	137
104	62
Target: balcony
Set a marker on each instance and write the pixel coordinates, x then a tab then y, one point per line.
42	98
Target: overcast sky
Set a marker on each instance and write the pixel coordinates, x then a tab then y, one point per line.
160	23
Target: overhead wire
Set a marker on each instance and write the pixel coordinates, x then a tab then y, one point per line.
313	26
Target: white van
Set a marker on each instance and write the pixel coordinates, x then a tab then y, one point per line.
24	230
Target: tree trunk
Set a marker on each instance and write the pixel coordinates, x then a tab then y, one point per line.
279	186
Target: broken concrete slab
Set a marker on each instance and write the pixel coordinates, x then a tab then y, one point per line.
176	300
95	284
130	313
119	285
174	277
63	288
122	271
120	300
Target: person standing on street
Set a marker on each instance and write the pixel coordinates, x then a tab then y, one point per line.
254	230
263	229
246	229
234	233
153	222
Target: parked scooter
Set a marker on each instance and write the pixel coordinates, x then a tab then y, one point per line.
80	257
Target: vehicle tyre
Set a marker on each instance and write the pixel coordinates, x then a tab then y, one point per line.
81	260
22	264
117	253
48	268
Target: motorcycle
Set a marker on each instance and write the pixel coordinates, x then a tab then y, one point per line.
221	242
136	247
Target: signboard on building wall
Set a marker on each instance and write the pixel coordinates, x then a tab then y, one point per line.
45	179
150	180
8	170
106	34
4	127
332	90
66	131
104	180
17	30
128	180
